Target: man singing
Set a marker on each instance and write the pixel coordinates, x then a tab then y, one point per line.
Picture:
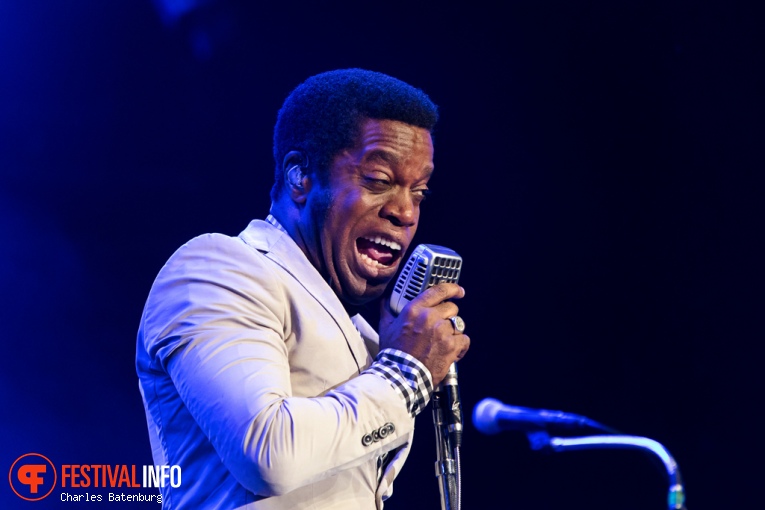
259	376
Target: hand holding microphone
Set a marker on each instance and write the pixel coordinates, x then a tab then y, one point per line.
424	330
421	319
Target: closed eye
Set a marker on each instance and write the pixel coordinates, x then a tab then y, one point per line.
424	192
377	184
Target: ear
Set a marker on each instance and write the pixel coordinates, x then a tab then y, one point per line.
296	178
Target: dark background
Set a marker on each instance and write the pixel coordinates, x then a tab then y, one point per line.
599	168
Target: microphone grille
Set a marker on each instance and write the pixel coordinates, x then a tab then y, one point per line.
412	278
428	265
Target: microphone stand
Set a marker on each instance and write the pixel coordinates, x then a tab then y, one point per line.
676	496
447	419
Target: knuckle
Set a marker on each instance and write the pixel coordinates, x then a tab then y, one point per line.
409	312
447	290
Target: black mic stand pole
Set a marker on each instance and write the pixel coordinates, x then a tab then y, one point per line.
447	419
676	495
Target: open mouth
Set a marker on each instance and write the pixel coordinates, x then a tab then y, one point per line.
378	252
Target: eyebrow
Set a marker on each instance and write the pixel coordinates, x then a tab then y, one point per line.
389	158
385	156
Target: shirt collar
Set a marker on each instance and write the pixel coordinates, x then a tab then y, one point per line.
273	221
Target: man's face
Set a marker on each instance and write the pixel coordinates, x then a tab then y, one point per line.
364	218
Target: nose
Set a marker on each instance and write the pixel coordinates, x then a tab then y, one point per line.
401	209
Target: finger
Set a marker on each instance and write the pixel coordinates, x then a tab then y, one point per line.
458	343
439	293
466	346
446	326
446	309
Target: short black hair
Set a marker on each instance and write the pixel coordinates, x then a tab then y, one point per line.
323	115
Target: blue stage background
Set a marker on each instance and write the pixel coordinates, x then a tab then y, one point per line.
599	168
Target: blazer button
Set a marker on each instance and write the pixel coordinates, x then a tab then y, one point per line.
367	439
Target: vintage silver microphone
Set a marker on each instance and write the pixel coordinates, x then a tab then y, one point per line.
430	265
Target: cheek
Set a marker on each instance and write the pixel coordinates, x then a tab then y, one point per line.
355	206
417	209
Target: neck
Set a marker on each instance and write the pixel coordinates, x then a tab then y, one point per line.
289	216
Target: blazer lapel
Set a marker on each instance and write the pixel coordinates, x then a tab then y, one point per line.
278	246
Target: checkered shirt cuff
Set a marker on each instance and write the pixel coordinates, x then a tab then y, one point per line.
407	375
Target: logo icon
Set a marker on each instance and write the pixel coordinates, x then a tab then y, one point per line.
32	477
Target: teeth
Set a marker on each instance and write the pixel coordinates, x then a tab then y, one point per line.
370	261
380	240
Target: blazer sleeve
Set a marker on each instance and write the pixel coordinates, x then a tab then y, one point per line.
214	321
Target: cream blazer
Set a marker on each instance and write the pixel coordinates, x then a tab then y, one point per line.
250	372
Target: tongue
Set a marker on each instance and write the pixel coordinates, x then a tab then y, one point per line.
374	251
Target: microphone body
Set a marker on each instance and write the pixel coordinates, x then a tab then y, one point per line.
491	416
